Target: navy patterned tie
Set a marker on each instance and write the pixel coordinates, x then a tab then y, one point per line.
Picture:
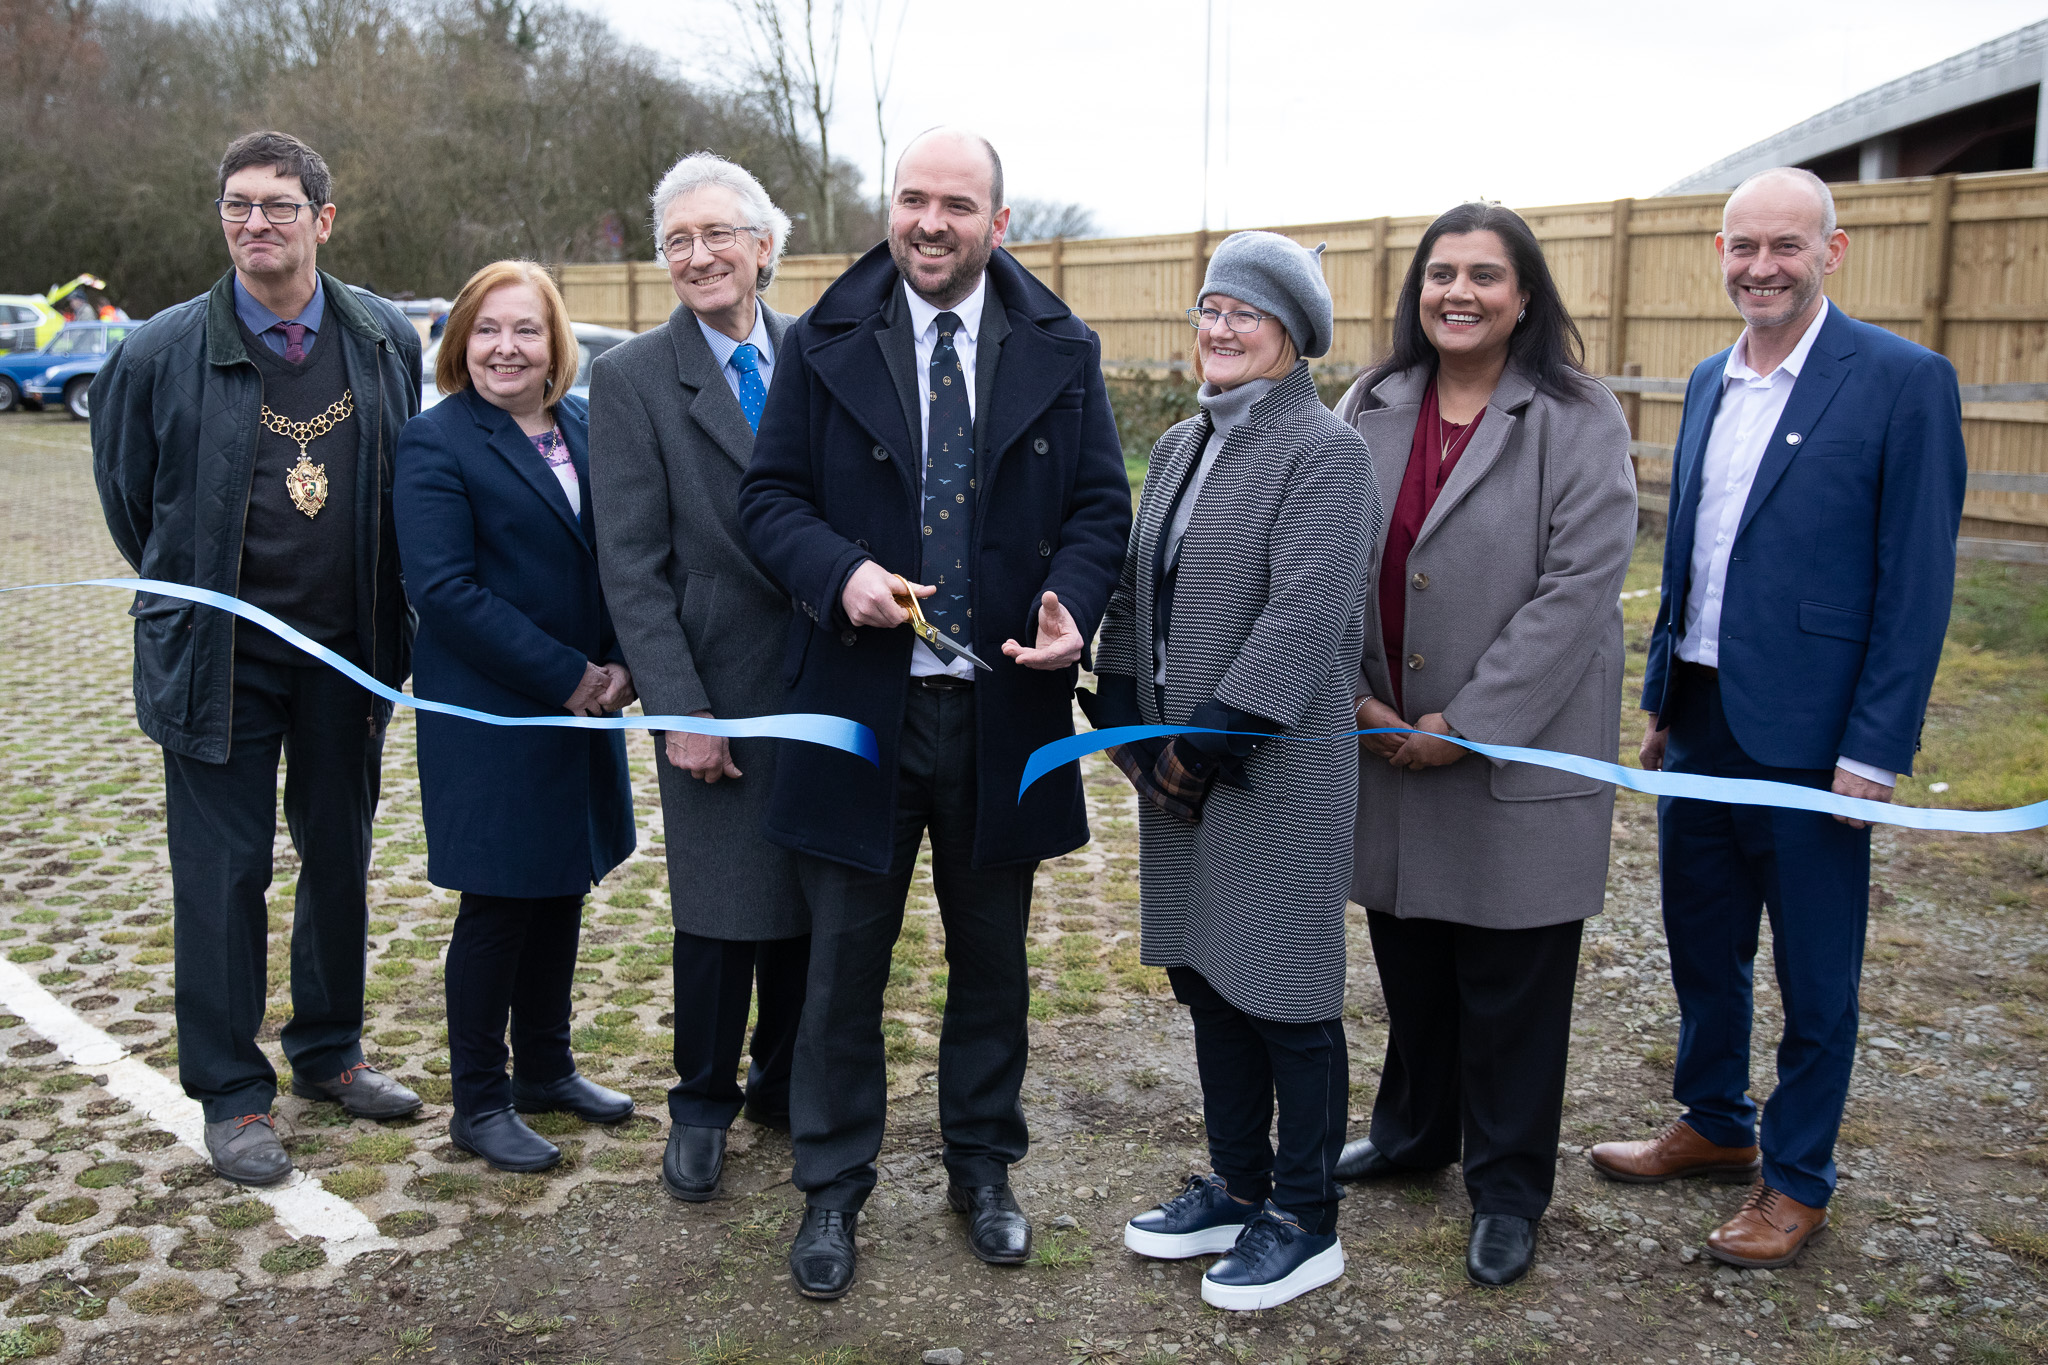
948	487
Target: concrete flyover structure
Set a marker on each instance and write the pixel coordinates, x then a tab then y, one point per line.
1981	110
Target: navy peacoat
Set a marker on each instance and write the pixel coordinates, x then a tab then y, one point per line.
505	583
834	481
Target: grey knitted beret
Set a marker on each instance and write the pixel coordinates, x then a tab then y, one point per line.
1276	275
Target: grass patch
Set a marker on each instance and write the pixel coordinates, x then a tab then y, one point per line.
30	1246
293	1258
1061	1251
354	1182
65	1212
119	1249
27	1343
408	1223
2020	1243
166	1297
108	1174
444	1185
379	1149
237	1214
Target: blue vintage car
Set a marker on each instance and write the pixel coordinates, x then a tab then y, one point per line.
61	371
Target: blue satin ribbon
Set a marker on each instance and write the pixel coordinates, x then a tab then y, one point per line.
1734	791
834	732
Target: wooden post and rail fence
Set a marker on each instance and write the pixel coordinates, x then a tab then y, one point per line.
1956	263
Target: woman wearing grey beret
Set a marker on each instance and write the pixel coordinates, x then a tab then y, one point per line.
1495	616
1241	609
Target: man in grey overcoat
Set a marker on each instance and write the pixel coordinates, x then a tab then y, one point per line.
672	419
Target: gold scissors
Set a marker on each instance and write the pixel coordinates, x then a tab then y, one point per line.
928	632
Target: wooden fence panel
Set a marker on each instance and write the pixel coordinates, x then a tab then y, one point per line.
1956	262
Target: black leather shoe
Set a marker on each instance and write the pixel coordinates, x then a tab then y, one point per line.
363	1092
821	1259
691	1166
502	1138
1501	1248
1361	1160
997	1230
778	1119
586	1099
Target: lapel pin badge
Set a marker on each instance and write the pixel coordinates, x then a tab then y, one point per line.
1791	438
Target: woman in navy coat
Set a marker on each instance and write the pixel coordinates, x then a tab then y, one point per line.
493	512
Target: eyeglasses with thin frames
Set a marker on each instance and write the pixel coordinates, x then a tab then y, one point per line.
680	246
1237	319
279	211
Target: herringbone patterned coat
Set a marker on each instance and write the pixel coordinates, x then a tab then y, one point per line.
1268	613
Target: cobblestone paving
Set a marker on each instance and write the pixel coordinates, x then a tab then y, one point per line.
117	1245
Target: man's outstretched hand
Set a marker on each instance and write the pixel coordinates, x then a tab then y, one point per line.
1059	639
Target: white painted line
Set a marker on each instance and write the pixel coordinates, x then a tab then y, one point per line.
304	1207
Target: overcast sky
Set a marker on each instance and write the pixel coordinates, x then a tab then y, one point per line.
1340	109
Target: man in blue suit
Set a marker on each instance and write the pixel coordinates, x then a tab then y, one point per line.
1809	565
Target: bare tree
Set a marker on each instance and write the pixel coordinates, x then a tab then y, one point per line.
1036	220
874	18
794	47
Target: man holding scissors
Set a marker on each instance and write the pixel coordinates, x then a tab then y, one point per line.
937	453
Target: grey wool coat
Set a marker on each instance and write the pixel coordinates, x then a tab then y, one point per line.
1267	617
702	627
1513	632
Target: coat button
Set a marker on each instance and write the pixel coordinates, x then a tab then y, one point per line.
1040	446
1415	661
879	453
1420	581
847	637
1045	549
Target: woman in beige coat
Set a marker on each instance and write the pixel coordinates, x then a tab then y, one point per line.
1496	617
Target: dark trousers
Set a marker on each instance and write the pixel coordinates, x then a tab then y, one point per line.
1723	867
715	981
1479	1025
839	1091
1245	1063
222	823
509	955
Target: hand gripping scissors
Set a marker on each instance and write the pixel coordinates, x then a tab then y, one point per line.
928	632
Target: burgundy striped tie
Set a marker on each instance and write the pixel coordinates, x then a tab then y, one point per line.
294	340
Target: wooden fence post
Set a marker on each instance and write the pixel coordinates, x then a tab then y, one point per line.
1059	267
1199	254
1617	292
632	296
1382	325
1941	198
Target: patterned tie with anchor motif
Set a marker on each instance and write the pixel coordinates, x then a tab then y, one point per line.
948	489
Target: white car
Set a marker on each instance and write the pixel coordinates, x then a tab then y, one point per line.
592	341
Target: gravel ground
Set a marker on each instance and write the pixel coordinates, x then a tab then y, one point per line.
116	1244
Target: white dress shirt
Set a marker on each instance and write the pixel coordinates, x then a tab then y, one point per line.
722	347
1751	406
924	322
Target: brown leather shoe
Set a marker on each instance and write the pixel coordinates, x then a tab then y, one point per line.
1768	1231
1677	1153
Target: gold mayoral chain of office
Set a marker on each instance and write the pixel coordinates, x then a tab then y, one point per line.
306	481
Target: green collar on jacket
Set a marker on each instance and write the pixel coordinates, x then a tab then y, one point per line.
224	333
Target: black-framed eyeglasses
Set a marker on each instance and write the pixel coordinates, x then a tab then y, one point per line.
274	211
1237	319
683	244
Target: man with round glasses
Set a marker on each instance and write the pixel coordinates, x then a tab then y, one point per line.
244	443
672	419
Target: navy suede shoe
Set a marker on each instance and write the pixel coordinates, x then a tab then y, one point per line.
1201	1220
1275	1260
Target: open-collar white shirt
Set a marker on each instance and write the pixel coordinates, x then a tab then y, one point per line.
924	323
1751	406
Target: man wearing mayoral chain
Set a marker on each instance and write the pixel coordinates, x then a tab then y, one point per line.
937	456
244	442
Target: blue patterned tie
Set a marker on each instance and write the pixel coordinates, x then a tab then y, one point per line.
753	393
948	481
